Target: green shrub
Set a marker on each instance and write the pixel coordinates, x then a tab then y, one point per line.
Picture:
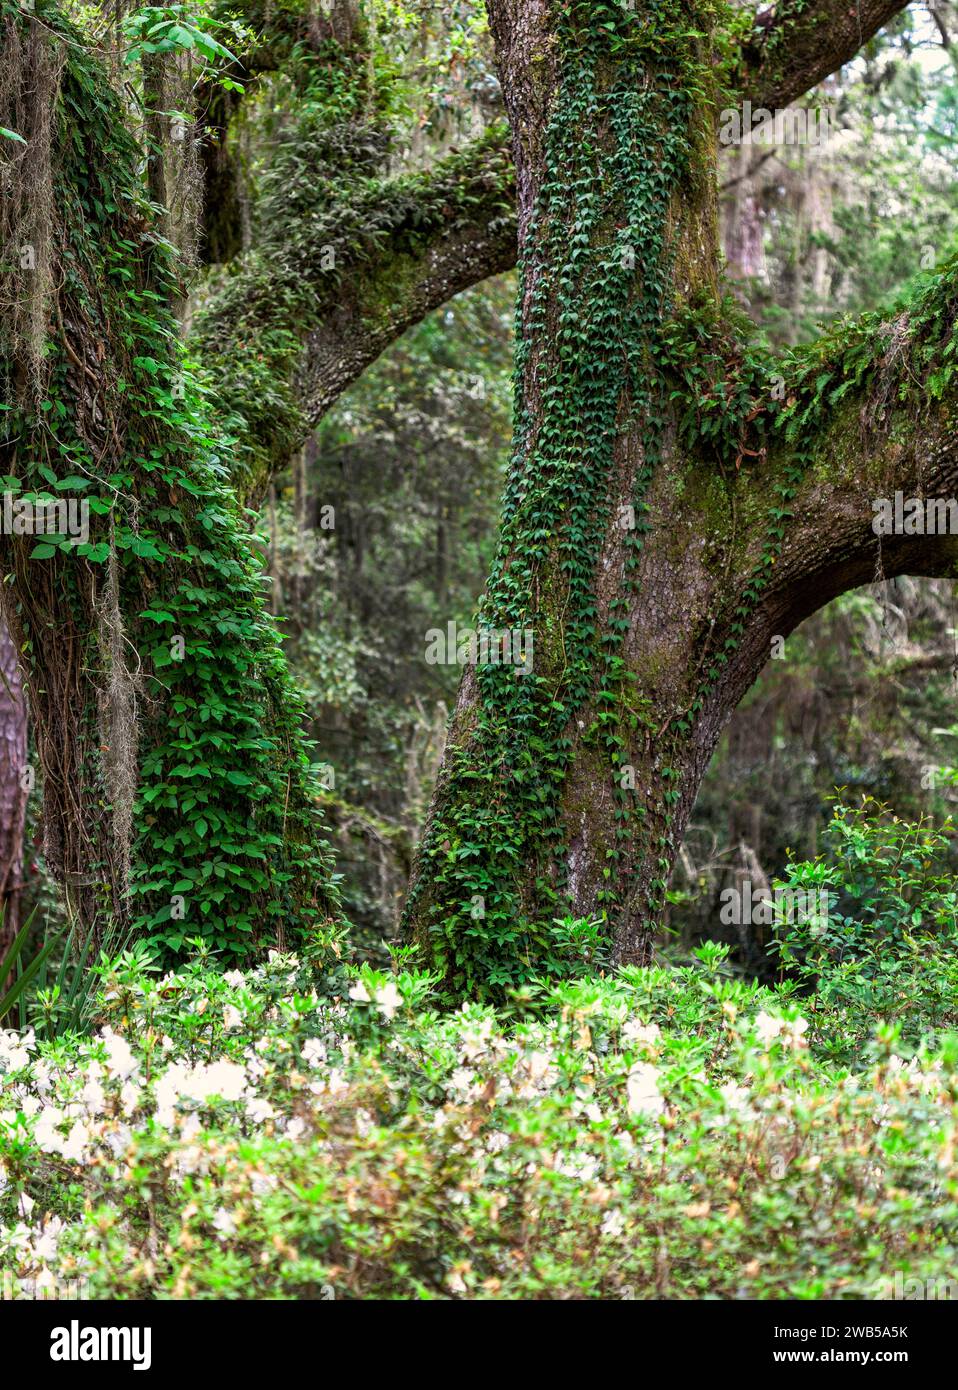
887	950
287	1133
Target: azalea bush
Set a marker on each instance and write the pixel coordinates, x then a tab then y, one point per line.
887	947
300	1132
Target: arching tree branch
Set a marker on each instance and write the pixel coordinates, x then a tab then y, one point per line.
301	318
871	415
296	335
795	45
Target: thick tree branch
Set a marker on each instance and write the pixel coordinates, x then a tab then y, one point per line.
869	414
795	45
299	320
294	336
875	410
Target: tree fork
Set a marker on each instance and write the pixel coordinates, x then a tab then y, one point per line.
447	229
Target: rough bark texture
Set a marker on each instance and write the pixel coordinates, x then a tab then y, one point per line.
794	45
156	132
14	791
566	792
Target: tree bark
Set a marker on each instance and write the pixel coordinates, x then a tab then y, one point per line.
794	44
14	789
155	131
666	514
175	777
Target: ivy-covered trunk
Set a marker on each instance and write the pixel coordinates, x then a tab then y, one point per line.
176	794
666	520
562	785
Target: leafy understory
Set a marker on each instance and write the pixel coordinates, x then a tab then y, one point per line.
288	1132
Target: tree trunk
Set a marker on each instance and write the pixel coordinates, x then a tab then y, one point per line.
176	789
345	269
14	789
156	126
666	515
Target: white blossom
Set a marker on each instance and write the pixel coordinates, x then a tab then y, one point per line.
644	1097
120	1059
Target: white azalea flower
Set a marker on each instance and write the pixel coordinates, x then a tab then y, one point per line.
259	1110
129	1097
635	1032
767	1028
313	1052
189	1127
613	1223
735	1096
118	1140
224	1079
15	1050
120	1060
223	1223
643	1090
77	1143
45	1245
93	1096
461	1081
45	1130
388	1000
476	1040
538	1064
